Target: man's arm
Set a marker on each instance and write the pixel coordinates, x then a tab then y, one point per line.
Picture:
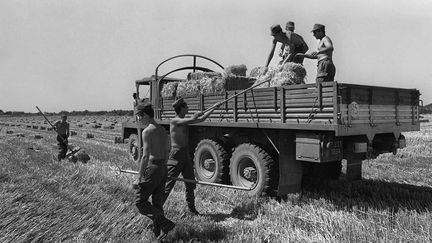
67	130
146	154
270	56
281	52
196	118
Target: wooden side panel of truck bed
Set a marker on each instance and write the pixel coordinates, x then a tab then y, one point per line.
344	108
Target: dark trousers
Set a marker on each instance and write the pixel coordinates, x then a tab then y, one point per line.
62	143
326	71
179	162
153	185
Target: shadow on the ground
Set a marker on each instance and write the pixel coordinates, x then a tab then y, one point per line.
198	233
372	194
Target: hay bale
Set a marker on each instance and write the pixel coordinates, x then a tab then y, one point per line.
200	75
20	135
9	132
89	135
118	140
258	72
169	90
214	85
298	72
42	128
82	156
96	126
50	129
238	70
188	88
73	133
37	136
35	127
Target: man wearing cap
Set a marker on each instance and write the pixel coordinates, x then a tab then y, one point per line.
152	171
300	45
179	159
280	36
326	70
62	129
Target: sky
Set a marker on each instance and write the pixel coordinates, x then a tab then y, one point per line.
86	55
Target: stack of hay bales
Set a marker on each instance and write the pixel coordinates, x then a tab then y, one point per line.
288	74
208	83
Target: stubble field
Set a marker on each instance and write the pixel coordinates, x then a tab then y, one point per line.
48	201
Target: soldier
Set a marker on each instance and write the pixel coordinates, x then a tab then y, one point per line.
62	128
179	160
280	36
152	171
326	70
300	45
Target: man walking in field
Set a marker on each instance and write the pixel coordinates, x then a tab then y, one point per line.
326	69
179	160
300	45
152	171
62	128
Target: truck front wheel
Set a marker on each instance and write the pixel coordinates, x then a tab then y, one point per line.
133	147
211	161
251	166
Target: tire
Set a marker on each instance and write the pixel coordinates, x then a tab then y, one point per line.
211	161
133	148
251	166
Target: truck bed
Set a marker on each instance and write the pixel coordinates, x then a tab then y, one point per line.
346	109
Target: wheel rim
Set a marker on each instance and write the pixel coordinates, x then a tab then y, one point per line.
247	172
207	165
134	151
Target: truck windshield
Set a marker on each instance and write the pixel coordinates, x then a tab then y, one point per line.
144	92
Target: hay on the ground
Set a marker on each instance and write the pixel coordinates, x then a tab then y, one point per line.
169	90
238	70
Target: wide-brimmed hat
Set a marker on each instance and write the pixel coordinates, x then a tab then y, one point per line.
318	27
274	29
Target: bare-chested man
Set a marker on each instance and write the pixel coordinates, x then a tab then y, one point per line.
152	171
326	69
179	160
62	128
280	36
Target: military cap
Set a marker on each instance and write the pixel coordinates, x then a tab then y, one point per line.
289	24
274	29
318	27
141	107
178	102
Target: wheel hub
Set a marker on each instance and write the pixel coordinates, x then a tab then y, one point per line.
250	173
209	164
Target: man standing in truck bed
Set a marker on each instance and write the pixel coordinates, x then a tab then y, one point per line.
179	160
300	45
326	70
62	129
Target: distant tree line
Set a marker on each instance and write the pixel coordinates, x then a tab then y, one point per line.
71	113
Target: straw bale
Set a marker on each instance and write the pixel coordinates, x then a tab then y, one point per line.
214	85
188	88
258	71
169	90
239	70
82	156
200	75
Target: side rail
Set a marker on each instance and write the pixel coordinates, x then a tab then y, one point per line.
378	108
295	104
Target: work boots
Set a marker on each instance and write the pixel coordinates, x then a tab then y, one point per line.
161	227
192	209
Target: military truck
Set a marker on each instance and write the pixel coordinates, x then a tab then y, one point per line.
272	139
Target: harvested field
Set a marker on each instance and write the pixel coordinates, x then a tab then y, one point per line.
47	201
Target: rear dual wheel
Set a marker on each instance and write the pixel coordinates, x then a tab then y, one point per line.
252	167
